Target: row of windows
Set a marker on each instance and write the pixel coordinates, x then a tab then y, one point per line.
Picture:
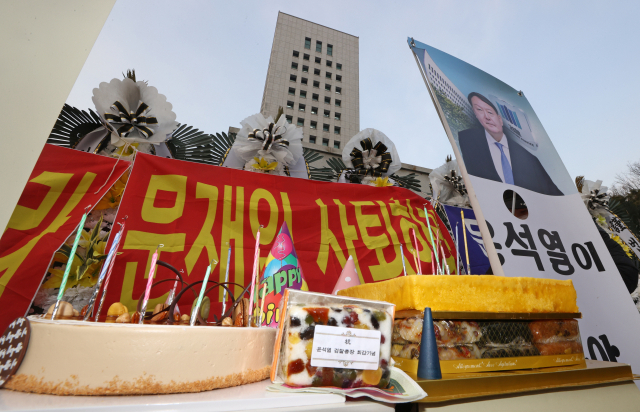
307	45
305	69
318	60
313	124
314	110
325	142
315	97
316	84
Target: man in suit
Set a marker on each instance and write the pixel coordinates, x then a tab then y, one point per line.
490	154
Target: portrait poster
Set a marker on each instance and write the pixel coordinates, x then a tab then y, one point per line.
544	230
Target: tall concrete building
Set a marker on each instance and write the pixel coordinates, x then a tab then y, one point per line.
314	75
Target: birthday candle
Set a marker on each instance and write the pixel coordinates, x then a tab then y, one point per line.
466	247
419	265
67	269
226	280
444	261
147	291
103	272
264	295
201	296
255	272
404	268
426	214
108	277
437	250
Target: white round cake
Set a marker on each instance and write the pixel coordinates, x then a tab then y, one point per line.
67	357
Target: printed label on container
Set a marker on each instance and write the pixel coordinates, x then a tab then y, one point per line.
337	347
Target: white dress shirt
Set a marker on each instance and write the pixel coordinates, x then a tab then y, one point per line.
495	153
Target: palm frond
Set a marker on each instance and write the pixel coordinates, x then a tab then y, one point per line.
408	181
72	125
323	174
191	144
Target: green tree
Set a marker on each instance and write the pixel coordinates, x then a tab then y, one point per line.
456	117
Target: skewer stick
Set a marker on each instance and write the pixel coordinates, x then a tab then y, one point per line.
466	247
404	268
426	215
147	292
419	265
196	309
226	280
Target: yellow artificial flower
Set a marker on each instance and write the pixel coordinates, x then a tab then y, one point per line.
130	150
624	246
381	182
58	273
264	165
111	199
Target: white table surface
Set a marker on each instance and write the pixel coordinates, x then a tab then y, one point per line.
252	397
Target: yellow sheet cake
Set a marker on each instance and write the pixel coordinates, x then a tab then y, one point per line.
472	294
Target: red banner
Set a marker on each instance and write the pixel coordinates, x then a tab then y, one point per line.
198	211
63	183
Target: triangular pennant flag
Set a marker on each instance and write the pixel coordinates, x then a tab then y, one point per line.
348	277
281	271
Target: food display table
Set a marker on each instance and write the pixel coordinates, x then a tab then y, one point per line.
598	386
252	397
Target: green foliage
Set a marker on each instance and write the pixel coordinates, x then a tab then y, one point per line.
627	207
456	117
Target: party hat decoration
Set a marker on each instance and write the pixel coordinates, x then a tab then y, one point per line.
348	277
428	363
281	271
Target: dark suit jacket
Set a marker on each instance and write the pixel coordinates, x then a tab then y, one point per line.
527	170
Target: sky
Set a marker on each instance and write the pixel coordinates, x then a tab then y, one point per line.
576	61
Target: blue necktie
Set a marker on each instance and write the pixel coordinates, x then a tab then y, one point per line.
506	167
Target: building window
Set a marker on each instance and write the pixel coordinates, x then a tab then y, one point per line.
294	65
328	75
314	110
329	50
314	125
327	113
305	69
336	116
306	57
338	65
316	72
303	80
314	97
300	122
301	107
289	104
293	77
312	139
338	103
329	63
307	43
327	100
327	87
296	54
338	77
318	46
289	118
336	129
316	84
325	127
303	94
318	60
338	90
336	144
292	91
325	142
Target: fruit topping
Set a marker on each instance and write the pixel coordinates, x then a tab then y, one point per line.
295	366
308	332
332	322
308	348
372	377
379	315
350	319
375	323
319	315
294	321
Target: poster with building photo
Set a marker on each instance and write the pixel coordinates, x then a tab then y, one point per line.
531	216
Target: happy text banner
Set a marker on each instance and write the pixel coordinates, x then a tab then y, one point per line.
198	211
63	183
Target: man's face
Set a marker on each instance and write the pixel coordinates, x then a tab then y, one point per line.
488	118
